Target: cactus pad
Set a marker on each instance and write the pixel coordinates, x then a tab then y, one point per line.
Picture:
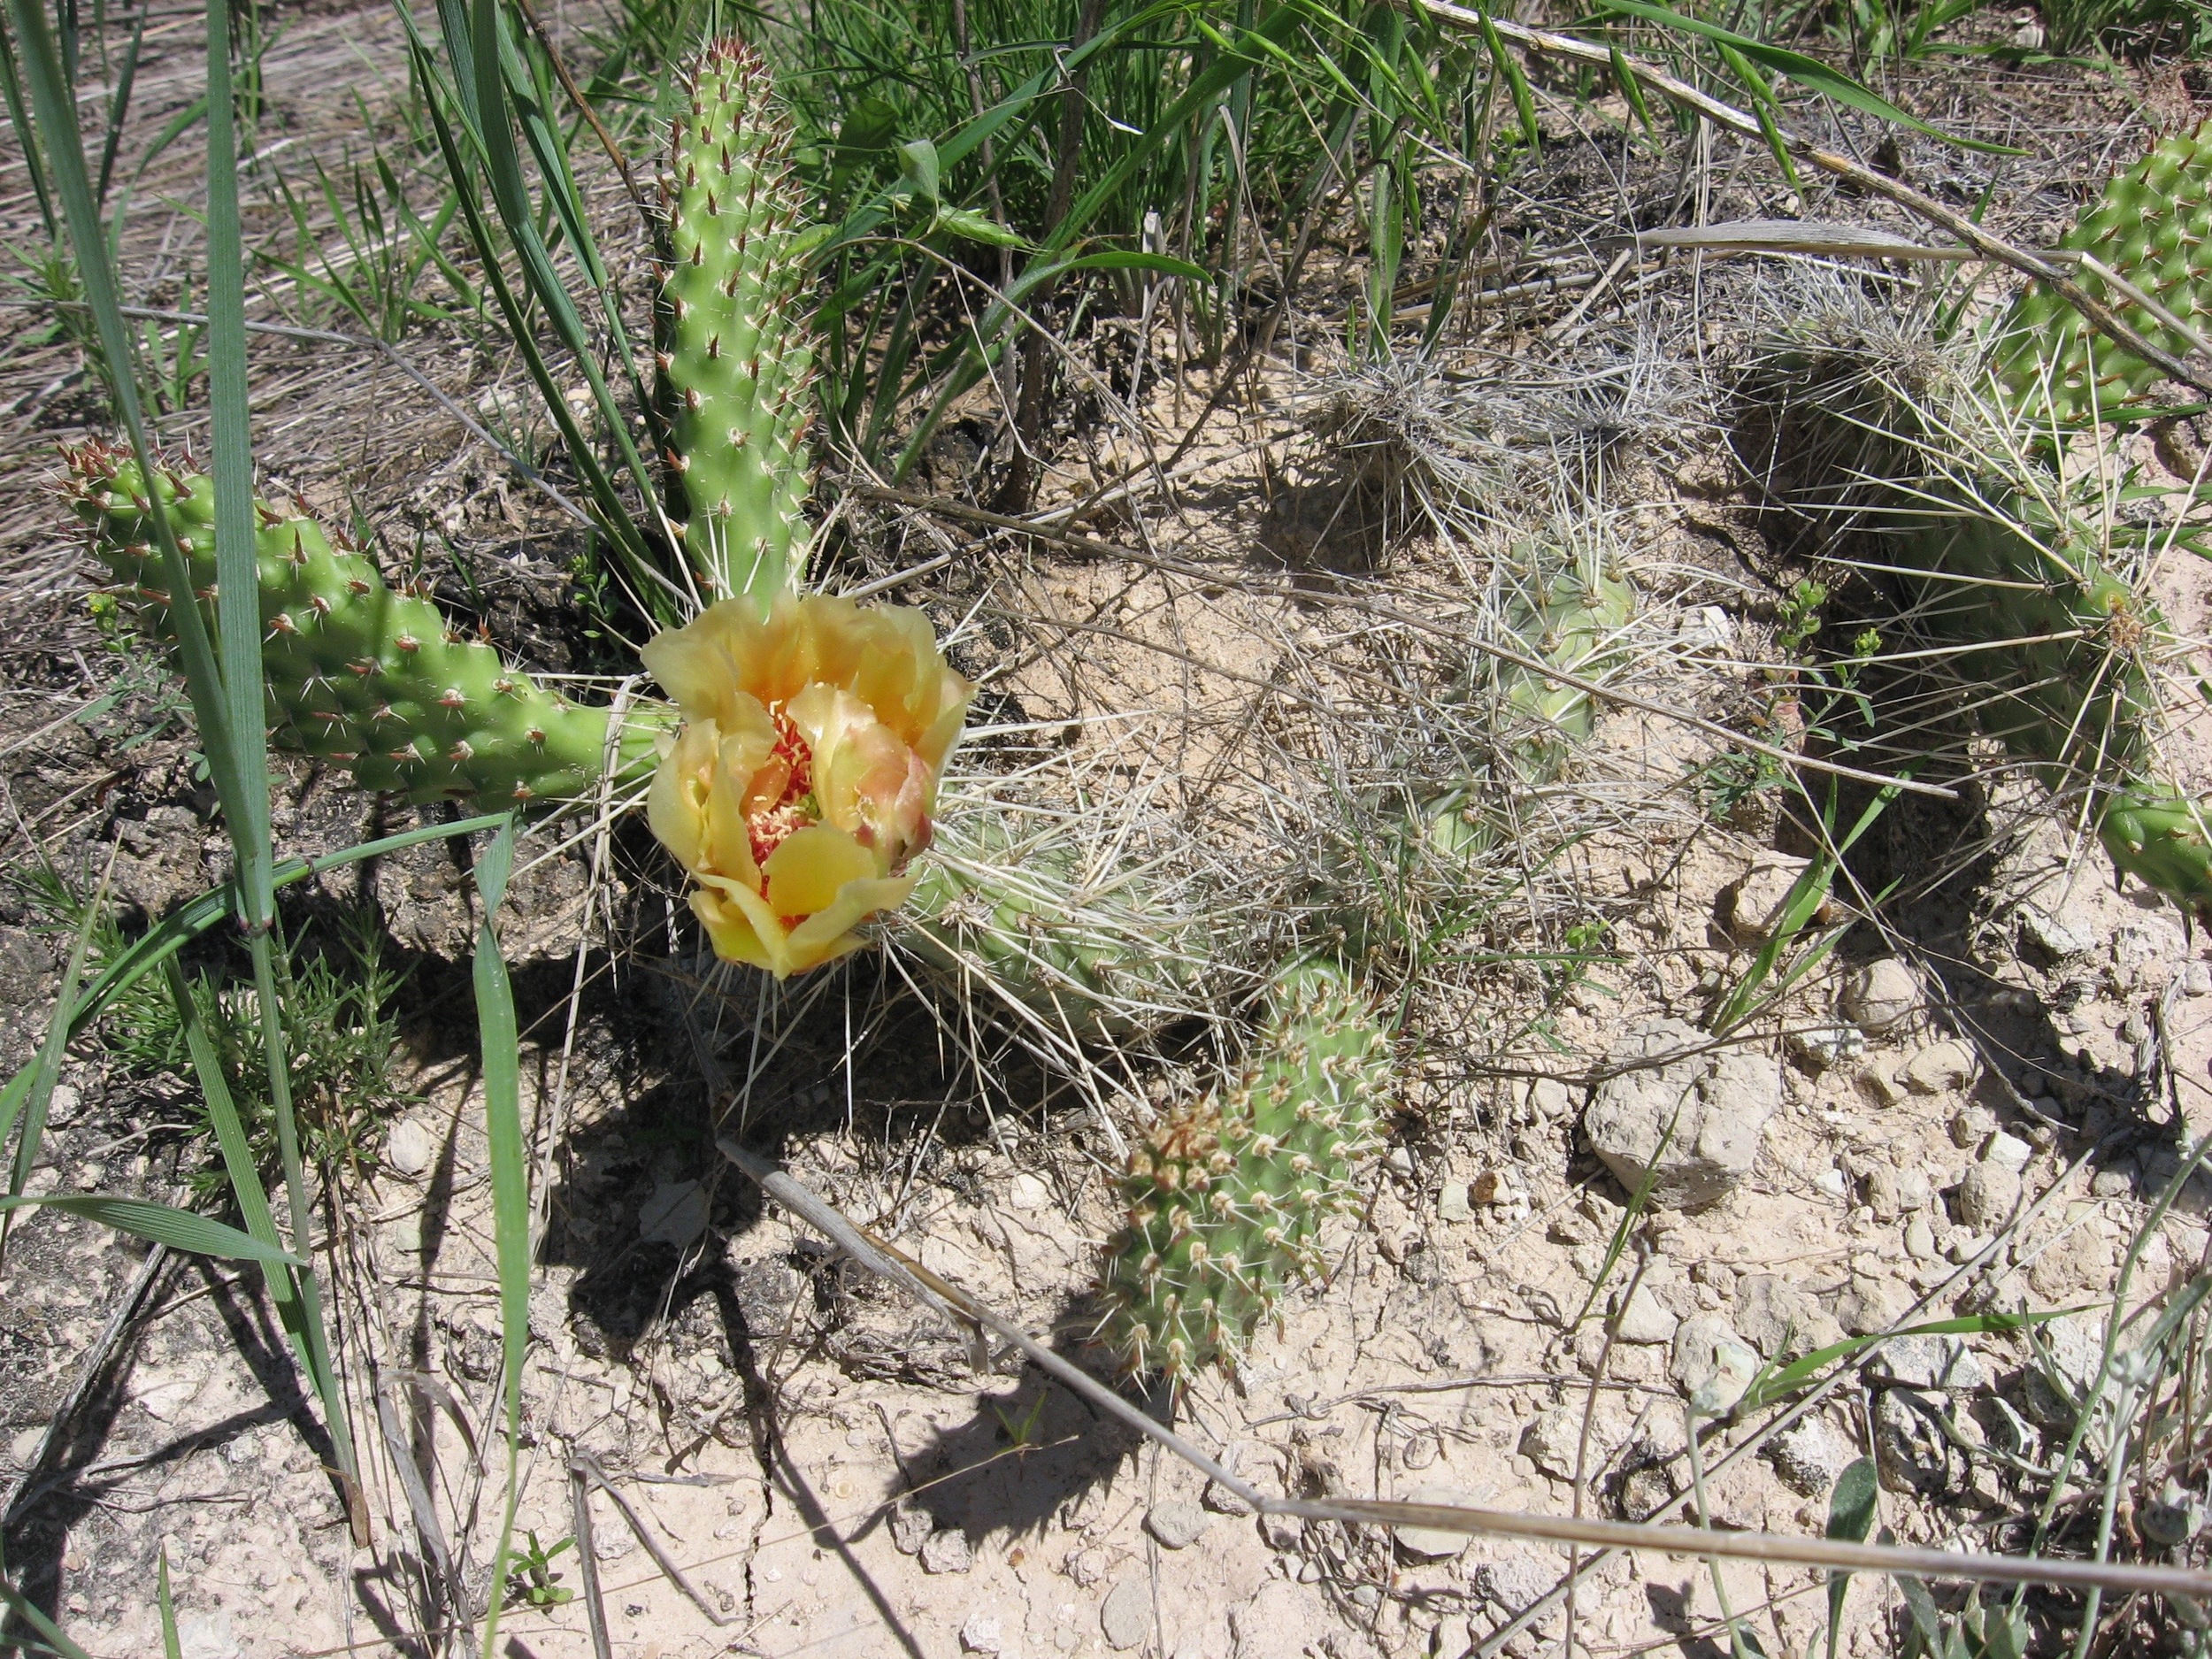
2154	227
737	354
374	680
1226	1197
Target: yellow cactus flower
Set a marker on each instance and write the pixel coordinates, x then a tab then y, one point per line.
806	771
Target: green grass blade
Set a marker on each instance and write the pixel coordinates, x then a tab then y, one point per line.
171	1645
230	1132
178	1229
171	1642
47	1067
193	919
1509	70
54	104
26	1609
1851	1507
237	575
1809	72
497	1040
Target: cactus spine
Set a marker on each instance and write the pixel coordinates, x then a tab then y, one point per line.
371	680
1226	1197
737	357
2153	226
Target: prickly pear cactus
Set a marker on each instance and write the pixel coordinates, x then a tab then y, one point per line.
2151	227
373	680
2160	840
737	355
1226	1197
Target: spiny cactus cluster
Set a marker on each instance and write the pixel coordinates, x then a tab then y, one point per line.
2017	566
1227	1196
737	353
1089	954
2153	228
371	679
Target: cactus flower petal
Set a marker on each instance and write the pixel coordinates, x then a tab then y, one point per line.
804	777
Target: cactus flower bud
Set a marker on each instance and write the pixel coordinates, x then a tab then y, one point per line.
806	772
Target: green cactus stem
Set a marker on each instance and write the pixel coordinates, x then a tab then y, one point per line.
371	680
737	353
2153	228
1226	1197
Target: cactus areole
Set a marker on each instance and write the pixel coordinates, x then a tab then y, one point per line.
736	351
369	678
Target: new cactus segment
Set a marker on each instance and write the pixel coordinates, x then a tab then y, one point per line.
369	678
737	353
1227	1195
2153	228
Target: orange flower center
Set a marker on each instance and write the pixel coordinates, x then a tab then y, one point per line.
794	807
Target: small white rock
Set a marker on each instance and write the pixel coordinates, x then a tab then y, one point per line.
1434	1543
1025	1192
1881	995
1125	1616
947	1550
1920	1239
981	1633
2196	980
2008	1151
1831	1181
1177	1523
1451	1203
409	1149
1940	1066
1646	1320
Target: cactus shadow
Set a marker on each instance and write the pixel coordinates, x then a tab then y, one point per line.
1032	1454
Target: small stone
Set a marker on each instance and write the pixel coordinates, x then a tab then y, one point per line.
1712	1365
1714	1101
947	1550
1911	1453
1987	1197
1281	1532
24	1446
1879	995
2007	1151
1881	1194
1434	1543
981	1633
1026	1193
1940	1066
1125	1615
2196	980
1177	1523
2173	1518
1865	1308
409	1149
1516	1578
1809	1455
1454	1636
1087	1567
1549	1100
676	1213
1819	1046
1549	1442
1971	1125
1928	1362
1646	1320
1779	1320
2111	1184
2058	936
1920	1239
1914	1190
1831	1181
1877	1081
1754	902
1452	1204
911	1528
